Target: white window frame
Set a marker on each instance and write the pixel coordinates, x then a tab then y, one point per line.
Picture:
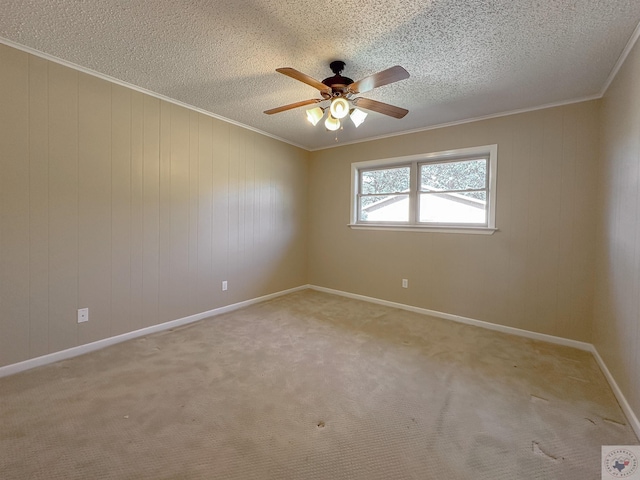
414	161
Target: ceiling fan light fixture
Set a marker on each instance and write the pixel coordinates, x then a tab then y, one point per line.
314	115
339	107
357	117
338	91
332	123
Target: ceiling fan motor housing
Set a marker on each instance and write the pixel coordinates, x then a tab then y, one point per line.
338	83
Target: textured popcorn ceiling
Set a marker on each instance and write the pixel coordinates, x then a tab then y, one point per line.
467	58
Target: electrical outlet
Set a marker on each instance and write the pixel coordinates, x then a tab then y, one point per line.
405	283
224	285
83	315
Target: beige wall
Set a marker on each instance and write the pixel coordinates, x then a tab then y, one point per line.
535	273
131	206
617	313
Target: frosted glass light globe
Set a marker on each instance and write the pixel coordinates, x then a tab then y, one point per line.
332	123
339	108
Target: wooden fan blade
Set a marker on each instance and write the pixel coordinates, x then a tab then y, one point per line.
380	107
304	78
385	77
291	106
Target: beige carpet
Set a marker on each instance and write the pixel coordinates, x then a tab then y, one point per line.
313	386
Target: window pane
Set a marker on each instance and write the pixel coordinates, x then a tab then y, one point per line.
463	175
384	208
467	207
388	180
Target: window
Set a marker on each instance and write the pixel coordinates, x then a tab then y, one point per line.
444	191
384	194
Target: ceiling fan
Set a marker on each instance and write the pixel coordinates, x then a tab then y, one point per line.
340	92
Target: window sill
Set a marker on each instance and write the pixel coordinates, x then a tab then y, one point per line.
424	229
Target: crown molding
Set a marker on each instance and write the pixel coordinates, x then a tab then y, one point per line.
88	71
467	120
621	59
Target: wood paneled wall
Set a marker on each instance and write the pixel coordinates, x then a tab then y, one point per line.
536	273
617	315
133	207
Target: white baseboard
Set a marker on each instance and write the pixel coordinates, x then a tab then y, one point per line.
624	404
469	321
90	347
